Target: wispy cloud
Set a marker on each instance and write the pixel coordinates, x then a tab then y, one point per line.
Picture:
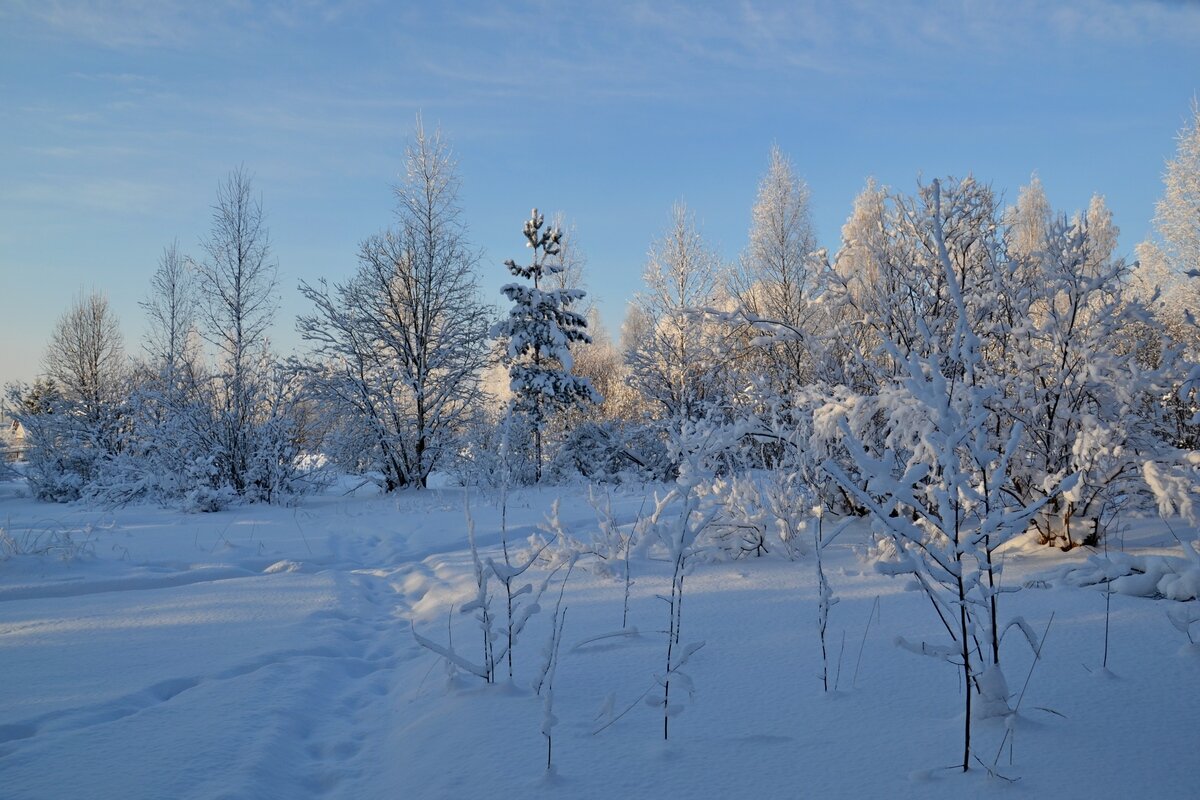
118	78
176	24
1137	21
83	151
118	196
117	25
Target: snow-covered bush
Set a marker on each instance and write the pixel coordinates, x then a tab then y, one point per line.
1170	577
491	453
943	492
611	452
205	499
760	512
65	449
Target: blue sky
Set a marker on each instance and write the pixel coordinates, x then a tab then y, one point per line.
118	119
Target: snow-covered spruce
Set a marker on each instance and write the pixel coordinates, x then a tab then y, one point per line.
539	330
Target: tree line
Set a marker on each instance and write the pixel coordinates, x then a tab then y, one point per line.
1039	336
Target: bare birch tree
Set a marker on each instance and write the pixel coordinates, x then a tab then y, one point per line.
237	281
170	314
401	345
86	356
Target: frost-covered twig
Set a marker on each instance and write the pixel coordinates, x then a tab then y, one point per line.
549	720
551	651
482	602
862	645
825	598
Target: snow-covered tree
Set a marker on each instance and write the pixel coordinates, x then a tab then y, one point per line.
247	445
171	410
571	261
237	284
780	275
857	277
171	315
1177	215
76	421
539	331
1063	367
1029	220
1102	234
941	487
680	358
602	364
589	436
1166	279
86	356
858	264
401	345
888	276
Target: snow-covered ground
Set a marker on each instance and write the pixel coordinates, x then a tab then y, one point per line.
266	652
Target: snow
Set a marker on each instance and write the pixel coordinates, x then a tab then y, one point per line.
268	652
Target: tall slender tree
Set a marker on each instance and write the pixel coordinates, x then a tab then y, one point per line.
237	281
1029	220
170	314
679	358
780	273
171	413
1177	215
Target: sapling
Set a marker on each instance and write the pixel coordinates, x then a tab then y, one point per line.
825	598
550	652
608	541
611	542
628	579
545	679
942	492
549	720
559	544
1107	611
482	605
678	535
518	613
837	677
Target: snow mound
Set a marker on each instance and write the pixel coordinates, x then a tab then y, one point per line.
1140	576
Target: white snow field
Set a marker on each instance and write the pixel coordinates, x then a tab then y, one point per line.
266	652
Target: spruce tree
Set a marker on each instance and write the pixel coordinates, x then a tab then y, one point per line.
540	329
